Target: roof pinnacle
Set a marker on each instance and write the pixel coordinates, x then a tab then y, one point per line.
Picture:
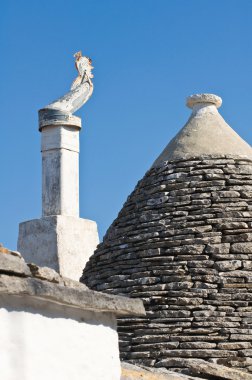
205	134
207	99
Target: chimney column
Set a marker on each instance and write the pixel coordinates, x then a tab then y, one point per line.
60	239
60	168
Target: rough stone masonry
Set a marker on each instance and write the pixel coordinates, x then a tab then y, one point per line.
183	243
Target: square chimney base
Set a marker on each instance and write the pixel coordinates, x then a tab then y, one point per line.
63	243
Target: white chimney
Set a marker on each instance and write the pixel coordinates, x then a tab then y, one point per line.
60	239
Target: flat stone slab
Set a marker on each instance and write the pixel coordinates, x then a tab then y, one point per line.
13	264
201	367
80	298
18	279
197	367
132	372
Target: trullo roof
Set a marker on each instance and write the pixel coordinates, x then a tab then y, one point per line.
183	243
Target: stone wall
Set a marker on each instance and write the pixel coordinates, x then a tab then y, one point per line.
183	243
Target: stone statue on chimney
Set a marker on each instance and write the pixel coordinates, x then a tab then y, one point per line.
60	239
84	68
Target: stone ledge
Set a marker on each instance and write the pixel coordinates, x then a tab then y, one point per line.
133	372
202	157
78	298
195	366
42	283
13	264
201	367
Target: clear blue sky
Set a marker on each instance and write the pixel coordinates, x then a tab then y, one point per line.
148	56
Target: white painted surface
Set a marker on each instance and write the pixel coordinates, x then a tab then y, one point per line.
60	170
46	341
199	110
60	138
63	243
60	239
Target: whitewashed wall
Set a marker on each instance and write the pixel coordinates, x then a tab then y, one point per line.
44	341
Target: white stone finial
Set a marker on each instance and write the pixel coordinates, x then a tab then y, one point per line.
207	99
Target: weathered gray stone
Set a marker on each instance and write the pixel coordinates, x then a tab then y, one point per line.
45	273
88	300
155	346
241	247
246	194
244	237
197	345
133	372
234	345
201	367
218	248
238	337
221	372
202	353
240	362
228	265
246	352
198	338
188	258
237	273
247	265
13	265
226	194
231	225
74	284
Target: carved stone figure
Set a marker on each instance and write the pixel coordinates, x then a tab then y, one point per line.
84	68
81	90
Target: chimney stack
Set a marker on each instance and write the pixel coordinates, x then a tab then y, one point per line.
60	239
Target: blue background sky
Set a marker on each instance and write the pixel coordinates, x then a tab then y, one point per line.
148	56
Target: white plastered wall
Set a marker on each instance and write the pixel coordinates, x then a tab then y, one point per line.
47	341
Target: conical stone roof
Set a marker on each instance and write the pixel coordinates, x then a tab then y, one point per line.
205	133
183	243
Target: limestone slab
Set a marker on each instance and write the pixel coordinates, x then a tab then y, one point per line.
78	298
13	265
221	372
133	372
